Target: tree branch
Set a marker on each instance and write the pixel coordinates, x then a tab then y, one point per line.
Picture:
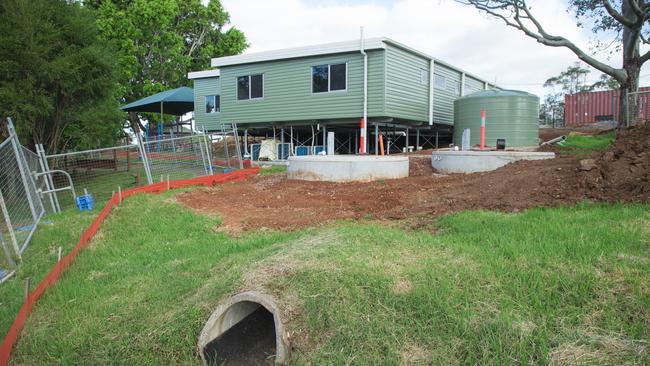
634	5
541	36
644	58
618	16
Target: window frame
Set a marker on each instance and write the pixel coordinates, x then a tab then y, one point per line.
329	79
439	77
424	77
217	108
250	87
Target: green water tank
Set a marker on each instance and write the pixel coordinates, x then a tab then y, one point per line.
510	114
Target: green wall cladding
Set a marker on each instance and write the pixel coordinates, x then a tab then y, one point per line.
407	97
203	87
443	99
288	92
472	85
395	90
510	114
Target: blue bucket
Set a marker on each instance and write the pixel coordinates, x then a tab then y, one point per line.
85	202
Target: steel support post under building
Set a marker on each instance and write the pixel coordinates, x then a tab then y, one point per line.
376	139
407	140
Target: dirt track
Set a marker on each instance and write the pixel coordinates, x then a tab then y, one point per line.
272	201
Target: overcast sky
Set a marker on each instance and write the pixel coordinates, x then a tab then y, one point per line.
444	29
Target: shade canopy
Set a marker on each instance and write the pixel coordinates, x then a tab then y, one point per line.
176	101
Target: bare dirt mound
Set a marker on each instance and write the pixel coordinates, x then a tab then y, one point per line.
622	172
275	202
420	165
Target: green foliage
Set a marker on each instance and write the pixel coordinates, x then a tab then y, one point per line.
593	14
160	41
605	82
572	80
56	76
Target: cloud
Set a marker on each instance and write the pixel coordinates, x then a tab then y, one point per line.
449	31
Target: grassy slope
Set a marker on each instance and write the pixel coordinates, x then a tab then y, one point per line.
40	256
492	288
583	145
272	169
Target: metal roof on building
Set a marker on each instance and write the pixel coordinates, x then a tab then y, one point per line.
325	49
203	74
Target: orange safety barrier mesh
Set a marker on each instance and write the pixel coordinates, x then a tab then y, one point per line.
54	274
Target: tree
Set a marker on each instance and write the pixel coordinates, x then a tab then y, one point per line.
626	20
606	82
552	108
56	76
572	80
160	41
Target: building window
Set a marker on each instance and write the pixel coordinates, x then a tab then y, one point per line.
212	104
328	78
439	81
250	87
424	77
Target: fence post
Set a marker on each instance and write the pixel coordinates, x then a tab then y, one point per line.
48	183
23	174
208	150
145	159
49	177
7	252
201	148
238	148
12	235
224	138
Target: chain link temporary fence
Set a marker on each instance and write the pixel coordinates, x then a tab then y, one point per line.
20	204
638	107
101	172
179	157
98	172
28	179
225	148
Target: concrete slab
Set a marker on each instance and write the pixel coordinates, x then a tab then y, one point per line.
480	161
347	168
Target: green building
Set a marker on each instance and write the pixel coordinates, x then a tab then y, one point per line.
299	94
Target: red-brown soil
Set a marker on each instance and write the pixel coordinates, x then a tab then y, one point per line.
623	171
273	201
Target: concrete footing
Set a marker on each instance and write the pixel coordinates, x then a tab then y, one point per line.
450	161
234	311
347	168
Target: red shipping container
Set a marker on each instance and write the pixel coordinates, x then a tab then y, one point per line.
591	107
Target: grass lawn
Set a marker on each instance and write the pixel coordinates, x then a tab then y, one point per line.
272	169
40	257
584	145
561	285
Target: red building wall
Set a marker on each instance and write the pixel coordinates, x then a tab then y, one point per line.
592	107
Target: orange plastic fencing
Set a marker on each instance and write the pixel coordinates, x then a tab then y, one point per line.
54	274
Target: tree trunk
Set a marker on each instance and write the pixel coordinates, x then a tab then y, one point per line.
629	106
632	65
